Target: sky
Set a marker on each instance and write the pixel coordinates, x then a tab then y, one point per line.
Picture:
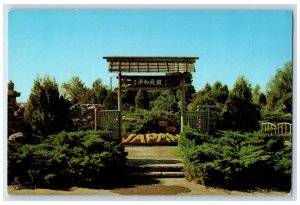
66	43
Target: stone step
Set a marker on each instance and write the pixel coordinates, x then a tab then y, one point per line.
157	174
157	167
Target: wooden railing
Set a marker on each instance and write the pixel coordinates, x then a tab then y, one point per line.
280	128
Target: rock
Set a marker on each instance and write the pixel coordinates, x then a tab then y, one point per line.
16	137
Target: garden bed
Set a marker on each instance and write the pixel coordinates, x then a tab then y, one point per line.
151	139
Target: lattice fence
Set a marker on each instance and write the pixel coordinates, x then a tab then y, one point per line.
198	120
108	120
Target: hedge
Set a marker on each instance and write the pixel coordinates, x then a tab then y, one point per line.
237	161
84	158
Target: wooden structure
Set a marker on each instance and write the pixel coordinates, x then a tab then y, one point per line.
151	64
147	64
203	119
280	128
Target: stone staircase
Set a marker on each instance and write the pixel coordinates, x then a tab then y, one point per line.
155	168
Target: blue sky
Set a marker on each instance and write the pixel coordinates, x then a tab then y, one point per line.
64	43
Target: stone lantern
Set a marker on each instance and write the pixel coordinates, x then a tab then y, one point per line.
12	103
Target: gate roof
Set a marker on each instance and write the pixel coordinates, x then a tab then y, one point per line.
166	64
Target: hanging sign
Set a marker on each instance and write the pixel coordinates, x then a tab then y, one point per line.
150	81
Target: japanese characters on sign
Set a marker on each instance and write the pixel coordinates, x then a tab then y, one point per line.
150	81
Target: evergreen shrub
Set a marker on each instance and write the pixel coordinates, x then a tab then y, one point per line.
84	158
237	160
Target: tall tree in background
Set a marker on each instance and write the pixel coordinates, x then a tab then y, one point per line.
111	100
166	101
99	92
255	94
239	112
216	95
76	92
280	90
202	97
219	93
46	111
258	97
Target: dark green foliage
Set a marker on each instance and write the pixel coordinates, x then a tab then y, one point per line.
262	100
239	112
128	100
276	117
189	91
219	92
216	95
280	89
76	92
165	101
85	158
142	100
111	100
46	111
144	121
237	161
259	98
99	92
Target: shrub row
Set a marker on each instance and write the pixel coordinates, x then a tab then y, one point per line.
237	161
84	158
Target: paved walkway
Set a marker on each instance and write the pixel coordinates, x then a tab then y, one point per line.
152	152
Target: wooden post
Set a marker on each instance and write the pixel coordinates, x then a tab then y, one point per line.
96	118
208	120
182	117
120	103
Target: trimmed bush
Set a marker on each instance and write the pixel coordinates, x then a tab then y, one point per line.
144	121
85	158
236	161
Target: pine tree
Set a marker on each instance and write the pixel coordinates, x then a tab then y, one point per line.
280	90
239	112
46	111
